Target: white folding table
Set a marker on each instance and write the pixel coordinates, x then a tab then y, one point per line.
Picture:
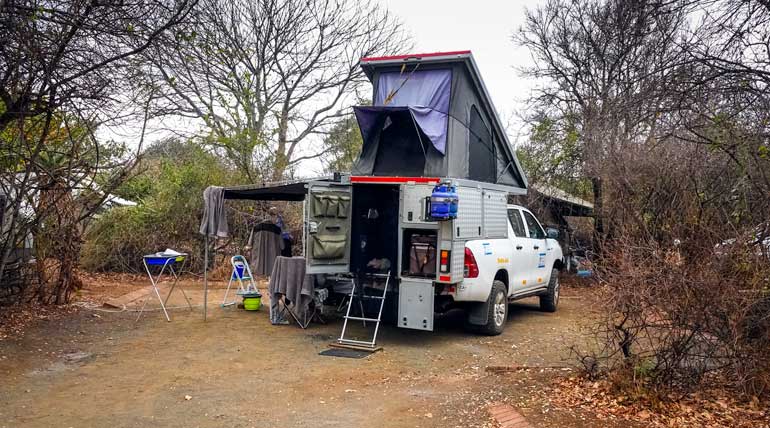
166	263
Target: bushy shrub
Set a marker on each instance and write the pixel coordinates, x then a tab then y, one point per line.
168	191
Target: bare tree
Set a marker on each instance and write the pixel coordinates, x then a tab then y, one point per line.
606	67
264	77
66	69
669	104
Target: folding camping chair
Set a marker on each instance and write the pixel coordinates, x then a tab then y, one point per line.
312	313
289	276
241	272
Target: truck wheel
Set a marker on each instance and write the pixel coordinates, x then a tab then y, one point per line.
497	314
550	300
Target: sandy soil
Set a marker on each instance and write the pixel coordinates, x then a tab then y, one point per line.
103	369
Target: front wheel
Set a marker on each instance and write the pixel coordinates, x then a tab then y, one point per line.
497	312
550	299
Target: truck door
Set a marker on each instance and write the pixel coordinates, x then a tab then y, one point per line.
520	263
328	209
537	247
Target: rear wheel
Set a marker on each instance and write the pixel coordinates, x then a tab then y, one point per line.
550	300
497	313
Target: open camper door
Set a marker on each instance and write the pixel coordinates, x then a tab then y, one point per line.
328	214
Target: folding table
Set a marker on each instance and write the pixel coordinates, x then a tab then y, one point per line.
164	261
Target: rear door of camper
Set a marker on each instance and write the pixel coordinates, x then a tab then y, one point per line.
328	211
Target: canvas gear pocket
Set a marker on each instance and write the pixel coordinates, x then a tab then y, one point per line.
319	203
343	206
332	205
329	246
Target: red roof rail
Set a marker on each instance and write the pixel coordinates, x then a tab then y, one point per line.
416	56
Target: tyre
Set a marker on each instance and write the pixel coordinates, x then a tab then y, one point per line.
550	299
497	313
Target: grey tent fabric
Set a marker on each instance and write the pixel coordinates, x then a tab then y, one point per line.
466	93
214	221
425	93
266	244
288	278
404	145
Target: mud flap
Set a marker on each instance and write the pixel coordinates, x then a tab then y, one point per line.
478	312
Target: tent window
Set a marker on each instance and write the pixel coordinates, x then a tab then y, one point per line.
481	150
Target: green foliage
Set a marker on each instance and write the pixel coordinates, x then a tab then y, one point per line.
344	144
169	191
553	155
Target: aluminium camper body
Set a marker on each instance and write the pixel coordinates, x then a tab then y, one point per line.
431	122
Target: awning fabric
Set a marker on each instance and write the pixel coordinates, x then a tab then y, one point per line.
283	192
214	220
425	93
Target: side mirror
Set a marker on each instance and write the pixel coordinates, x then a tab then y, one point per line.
552	232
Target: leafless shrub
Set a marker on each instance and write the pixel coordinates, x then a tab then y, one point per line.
670	320
663	107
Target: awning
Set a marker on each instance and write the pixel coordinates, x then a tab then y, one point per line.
282	192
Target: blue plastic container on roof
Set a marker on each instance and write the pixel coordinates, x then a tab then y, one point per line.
443	202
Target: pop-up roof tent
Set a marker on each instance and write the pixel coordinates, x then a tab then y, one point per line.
432	116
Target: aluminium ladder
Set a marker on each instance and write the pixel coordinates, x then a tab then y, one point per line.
362	343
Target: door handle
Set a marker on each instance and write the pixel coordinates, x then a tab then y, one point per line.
519	247
537	247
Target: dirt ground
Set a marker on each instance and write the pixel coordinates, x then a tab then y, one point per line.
95	368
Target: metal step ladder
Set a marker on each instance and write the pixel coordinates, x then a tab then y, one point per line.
242	274
361	343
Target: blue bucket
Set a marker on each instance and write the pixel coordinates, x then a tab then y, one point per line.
238	271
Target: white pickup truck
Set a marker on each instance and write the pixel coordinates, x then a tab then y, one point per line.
490	254
498	271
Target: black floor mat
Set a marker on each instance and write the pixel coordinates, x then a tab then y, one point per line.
344	353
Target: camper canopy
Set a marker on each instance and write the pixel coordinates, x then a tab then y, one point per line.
432	117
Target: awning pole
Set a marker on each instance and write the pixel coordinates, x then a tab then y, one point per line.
206	276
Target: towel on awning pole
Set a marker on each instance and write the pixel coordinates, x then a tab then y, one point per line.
214	221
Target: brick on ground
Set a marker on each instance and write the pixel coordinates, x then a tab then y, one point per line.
506	416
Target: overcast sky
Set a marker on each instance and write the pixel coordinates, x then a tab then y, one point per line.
485	27
482	26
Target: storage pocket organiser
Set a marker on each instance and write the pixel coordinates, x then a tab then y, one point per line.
319	205
343	206
332	204
329	246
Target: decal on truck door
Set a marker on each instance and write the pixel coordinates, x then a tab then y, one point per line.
541	261
487	249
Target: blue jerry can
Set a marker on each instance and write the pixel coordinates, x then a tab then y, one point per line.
443	202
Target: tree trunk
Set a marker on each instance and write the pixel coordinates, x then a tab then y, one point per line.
599	232
281	160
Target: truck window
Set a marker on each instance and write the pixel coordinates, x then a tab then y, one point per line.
535	231
514	217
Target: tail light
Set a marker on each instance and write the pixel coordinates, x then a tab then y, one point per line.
444	261
471	269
